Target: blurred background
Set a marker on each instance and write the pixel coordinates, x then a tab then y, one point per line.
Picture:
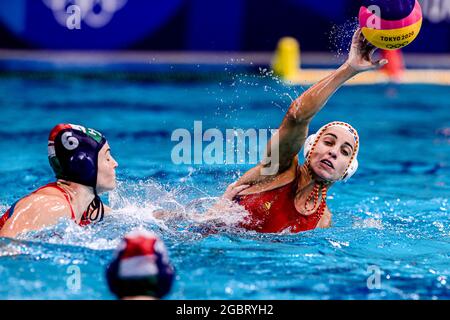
162	39
196	25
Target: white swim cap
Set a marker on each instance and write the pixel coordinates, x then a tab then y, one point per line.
313	139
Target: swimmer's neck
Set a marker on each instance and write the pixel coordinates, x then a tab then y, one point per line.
81	196
308	179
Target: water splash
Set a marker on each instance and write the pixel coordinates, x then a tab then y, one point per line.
138	206
368	223
264	82
340	37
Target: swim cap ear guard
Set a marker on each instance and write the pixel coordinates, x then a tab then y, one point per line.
73	155
313	139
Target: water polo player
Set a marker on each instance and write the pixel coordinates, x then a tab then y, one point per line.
84	168
141	269
295	197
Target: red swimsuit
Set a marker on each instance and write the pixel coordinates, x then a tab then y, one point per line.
274	210
84	221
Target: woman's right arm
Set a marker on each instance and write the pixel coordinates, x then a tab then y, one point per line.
294	129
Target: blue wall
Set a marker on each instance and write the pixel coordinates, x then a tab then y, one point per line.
233	25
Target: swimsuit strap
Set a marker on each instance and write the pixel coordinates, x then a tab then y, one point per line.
10	211
7	215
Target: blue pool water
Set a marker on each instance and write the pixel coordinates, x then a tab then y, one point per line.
393	216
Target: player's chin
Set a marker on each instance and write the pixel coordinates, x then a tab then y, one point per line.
107	186
324	174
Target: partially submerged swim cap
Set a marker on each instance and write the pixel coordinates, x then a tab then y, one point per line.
313	139
73	153
141	267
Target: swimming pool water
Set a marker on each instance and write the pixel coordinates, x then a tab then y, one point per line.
392	216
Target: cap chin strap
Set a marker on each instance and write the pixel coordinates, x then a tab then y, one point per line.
95	207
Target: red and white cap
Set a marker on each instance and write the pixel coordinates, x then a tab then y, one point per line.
313	139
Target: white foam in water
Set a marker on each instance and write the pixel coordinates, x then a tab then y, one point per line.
368	223
8	249
66	232
136	206
148	198
170	210
338	244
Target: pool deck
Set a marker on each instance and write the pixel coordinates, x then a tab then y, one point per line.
421	69
412	76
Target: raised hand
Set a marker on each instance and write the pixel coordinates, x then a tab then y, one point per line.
360	58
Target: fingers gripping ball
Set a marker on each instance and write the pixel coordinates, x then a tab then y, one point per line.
390	24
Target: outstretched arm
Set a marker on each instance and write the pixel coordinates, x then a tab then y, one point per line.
294	129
